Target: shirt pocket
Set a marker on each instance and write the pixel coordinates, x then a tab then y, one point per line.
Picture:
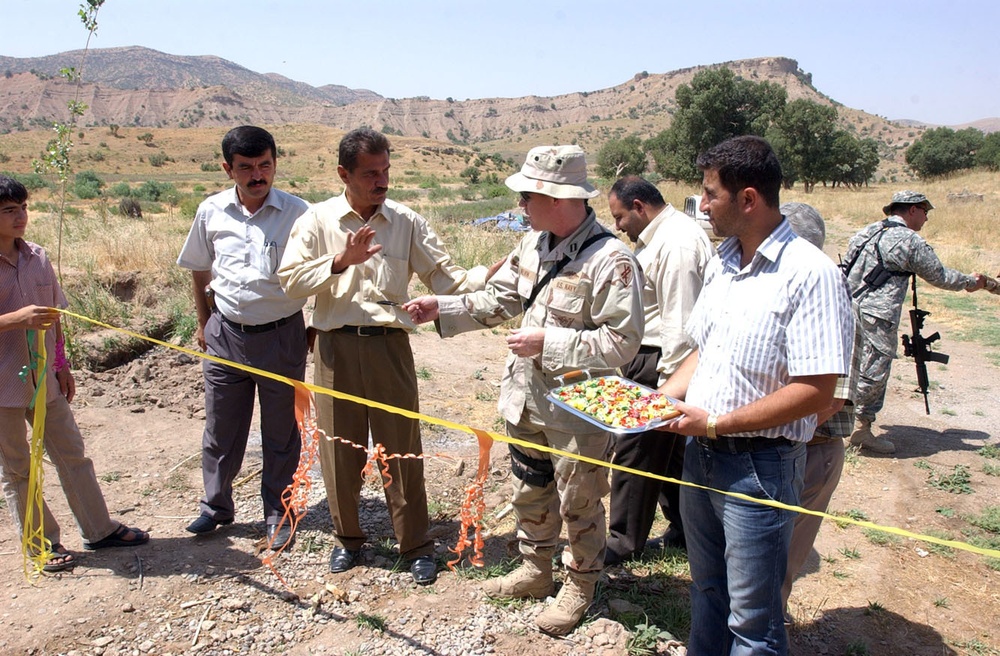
393	276
565	309
759	343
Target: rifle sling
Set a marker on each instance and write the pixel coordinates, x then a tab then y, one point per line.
886	225
554	271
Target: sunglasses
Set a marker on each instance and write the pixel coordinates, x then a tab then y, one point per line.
525	197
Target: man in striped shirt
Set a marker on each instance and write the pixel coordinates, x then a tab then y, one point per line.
773	329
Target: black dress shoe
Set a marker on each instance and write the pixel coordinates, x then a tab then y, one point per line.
342	559
672	539
206	524
280	536
424	570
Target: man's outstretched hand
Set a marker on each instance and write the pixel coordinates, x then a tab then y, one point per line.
359	249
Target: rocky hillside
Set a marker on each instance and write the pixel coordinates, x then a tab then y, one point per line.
138	69
144	88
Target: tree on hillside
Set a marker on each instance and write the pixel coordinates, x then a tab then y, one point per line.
803	137
619	157
716	105
943	150
988	156
853	161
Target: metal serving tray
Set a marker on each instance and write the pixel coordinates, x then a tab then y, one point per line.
618	430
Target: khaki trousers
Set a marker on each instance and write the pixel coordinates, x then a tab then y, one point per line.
824	464
64	446
378	368
574	498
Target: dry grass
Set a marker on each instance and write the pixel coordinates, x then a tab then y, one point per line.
962	233
100	247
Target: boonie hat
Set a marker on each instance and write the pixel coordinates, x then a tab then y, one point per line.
556	171
806	222
907	197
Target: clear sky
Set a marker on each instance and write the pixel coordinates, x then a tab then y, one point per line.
936	61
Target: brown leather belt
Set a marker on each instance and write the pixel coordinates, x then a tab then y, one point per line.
367	331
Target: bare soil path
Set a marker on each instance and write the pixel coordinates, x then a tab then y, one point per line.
212	595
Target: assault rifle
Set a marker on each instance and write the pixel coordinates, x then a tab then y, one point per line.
917	346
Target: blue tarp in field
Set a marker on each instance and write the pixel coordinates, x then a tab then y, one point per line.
504	221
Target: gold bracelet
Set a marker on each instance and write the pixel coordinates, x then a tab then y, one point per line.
710	426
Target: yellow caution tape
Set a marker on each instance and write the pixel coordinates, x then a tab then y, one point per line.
35	548
954	544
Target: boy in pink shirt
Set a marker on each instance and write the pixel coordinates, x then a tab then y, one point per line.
29	292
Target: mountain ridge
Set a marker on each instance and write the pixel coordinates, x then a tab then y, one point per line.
140	87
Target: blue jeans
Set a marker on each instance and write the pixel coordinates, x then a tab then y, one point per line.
738	549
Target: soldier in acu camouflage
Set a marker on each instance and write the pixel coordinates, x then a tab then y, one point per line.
578	291
880	259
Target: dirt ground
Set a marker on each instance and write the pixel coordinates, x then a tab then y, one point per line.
212	595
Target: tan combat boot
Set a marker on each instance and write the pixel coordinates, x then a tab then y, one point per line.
863	437
572	602
532	579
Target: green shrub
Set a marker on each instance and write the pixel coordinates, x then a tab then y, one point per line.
404	195
87	185
498	191
472	173
440	193
315	195
31	181
153	190
120	190
189	206
210	166
430	182
158	159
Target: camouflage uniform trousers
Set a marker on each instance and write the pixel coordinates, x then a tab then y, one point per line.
574	498
878	348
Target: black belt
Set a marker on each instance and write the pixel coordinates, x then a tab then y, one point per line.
741	444
368	331
262	328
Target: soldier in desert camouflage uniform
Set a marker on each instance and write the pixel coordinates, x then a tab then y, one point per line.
893	245
587	316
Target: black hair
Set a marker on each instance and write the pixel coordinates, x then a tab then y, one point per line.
632	188
903	208
248	141
361	140
746	161
11	190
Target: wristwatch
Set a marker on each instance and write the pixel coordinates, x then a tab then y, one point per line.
710	426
